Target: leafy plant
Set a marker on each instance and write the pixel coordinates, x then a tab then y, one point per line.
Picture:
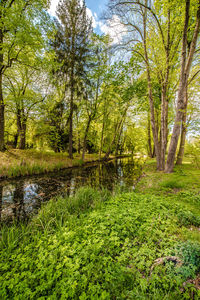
172	184
94	246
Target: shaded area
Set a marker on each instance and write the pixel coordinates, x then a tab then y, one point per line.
19	199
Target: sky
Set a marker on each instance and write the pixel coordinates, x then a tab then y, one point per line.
95	9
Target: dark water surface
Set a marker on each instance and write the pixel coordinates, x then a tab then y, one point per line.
20	198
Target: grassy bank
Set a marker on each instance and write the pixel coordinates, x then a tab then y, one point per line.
185	177
139	245
14	163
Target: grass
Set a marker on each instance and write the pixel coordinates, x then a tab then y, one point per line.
15	163
95	245
185	177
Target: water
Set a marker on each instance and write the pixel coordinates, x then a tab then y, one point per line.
21	198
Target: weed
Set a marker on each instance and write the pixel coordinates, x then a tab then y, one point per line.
172	184
94	246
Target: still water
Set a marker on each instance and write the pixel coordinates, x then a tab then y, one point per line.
21	198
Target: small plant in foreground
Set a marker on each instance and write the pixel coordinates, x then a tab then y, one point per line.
172	184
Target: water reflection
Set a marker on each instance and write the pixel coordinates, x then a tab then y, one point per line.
21	198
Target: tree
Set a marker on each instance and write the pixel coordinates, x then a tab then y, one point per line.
72	50
150	36
96	74
25	88
19	33
186	63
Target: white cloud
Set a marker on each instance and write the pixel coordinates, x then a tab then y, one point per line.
53	6
93	16
114	28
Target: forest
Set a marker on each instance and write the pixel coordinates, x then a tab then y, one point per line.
100	149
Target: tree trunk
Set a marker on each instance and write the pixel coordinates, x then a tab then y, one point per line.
15	140
150	95
183	134
71	119
1	197
117	127
22	134
185	70
164	103
85	137
102	130
2	105
166	122
149	137
112	143
163	128
118	141
19	127
2	120
79	145
154	152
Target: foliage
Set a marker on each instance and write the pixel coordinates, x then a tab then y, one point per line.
172	183
193	151
94	246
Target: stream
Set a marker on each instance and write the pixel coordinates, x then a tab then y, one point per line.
21	198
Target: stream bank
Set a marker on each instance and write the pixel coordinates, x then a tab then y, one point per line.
22	197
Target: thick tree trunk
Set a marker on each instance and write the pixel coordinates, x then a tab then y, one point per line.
183	134
15	140
22	135
185	69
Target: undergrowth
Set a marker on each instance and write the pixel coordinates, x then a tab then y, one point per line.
98	246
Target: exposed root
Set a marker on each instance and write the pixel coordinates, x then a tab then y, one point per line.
162	260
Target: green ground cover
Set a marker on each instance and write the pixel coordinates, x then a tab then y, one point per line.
139	245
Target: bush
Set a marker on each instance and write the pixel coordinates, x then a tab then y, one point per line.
187	218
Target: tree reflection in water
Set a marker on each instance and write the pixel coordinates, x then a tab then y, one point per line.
21	198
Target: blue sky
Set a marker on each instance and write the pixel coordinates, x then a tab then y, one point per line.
94	9
95	6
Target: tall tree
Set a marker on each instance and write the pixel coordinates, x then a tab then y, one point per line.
72	51
144	24
19	32
186	63
25	88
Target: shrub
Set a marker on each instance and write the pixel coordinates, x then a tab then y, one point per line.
187	218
